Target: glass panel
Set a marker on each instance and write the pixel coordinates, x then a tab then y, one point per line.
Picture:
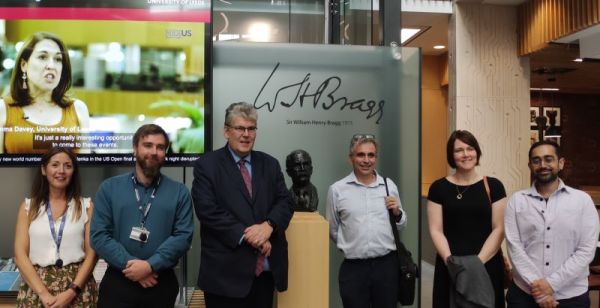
307	21
300	21
251	21
359	22
315	97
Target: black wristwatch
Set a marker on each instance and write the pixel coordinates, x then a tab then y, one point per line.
272	224
75	288
399	217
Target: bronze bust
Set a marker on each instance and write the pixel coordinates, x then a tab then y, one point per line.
304	194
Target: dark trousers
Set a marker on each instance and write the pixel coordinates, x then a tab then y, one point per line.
117	291
367	283
517	298
260	296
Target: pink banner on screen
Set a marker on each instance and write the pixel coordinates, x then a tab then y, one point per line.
105	14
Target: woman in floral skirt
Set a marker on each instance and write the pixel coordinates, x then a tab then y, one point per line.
52	247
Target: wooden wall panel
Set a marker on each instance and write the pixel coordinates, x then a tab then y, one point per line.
434	128
543	21
489	89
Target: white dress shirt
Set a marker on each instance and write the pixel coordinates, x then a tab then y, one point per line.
554	239
358	217
42	249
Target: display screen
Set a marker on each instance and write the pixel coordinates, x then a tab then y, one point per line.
86	74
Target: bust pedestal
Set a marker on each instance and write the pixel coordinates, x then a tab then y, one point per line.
308	272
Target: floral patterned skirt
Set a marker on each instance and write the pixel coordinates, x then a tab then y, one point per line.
57	280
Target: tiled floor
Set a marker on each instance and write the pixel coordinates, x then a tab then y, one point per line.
426	287
426	283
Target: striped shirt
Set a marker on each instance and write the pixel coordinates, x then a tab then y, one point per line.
358	217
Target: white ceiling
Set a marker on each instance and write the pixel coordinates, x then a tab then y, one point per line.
436	32
572	38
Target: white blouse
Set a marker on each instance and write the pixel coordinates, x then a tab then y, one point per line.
42	249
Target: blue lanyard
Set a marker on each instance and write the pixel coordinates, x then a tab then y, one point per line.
145	210
56	237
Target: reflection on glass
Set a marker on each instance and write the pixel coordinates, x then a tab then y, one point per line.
318	97
294	21
359	23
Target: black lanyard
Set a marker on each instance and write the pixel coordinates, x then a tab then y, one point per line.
56	237
144	210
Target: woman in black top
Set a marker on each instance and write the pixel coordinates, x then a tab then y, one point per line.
461	220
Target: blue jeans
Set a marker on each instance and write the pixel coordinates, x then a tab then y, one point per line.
517	298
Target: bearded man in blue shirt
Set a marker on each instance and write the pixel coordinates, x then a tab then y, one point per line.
142	225
552	231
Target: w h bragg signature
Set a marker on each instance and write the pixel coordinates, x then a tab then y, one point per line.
323	96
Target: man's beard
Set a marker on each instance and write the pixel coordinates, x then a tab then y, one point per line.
545	179
150	170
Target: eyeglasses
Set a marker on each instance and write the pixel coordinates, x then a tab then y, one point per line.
363	136
360	138
537	161
242	129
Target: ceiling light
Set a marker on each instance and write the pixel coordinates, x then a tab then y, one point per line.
259	32
578	60
544	89
439	47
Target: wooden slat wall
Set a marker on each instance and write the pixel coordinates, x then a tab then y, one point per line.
542	21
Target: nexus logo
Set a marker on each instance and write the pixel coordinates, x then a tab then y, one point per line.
178	33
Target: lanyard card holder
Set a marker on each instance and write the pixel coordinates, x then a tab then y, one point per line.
139	234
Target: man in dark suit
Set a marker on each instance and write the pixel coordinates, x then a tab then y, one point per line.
244	208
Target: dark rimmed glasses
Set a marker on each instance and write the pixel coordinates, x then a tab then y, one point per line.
243	129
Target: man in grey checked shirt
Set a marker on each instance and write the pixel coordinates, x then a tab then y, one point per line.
552	231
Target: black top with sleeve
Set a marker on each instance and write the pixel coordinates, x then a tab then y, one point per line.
467	224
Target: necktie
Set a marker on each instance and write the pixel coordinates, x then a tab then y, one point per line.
246	176
260	261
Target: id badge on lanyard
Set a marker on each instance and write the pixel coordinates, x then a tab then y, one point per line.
141	234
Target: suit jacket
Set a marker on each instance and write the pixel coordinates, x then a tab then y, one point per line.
472	286
225	208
